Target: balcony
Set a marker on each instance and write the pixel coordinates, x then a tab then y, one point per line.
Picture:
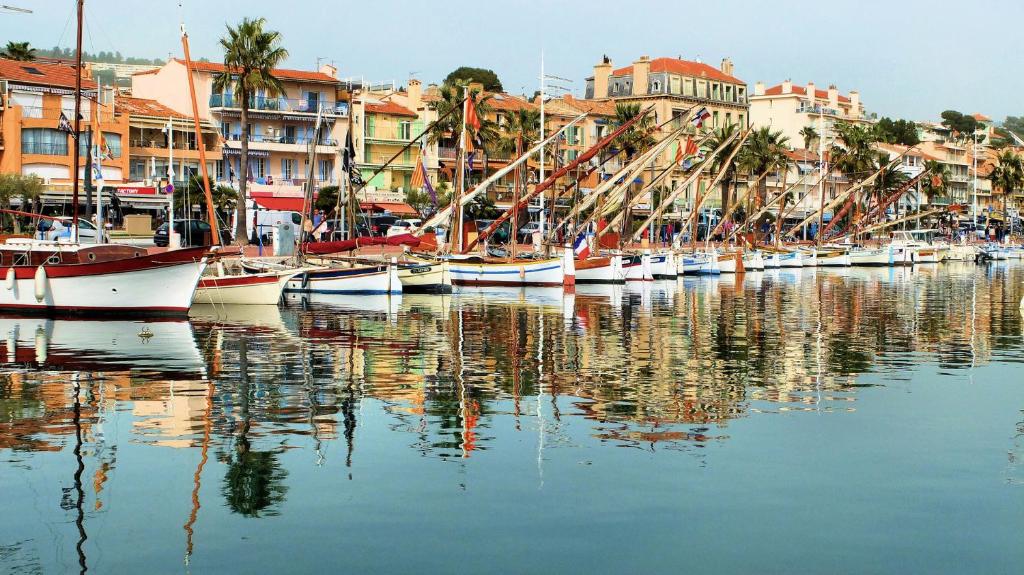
301	106
393	133
818	110
281	139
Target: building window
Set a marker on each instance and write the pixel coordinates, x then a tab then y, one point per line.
655	87
325	170
674	84
714	118
259	167
44	141
742	125
728	118
404	130
742	92
287	168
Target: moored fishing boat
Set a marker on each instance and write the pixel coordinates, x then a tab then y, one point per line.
883	256
663	266
637	267
52	277
480	271
600	270
710	263
926	255
730	263
753	261
837	258
793	259
264	288
422	276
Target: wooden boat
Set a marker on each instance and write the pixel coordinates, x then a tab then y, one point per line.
67	278
336	277
698	263
479	271
837	258
771	261
730	263
600	270
663	266
791	259
223	288
884	256
753	261
637	267
423	276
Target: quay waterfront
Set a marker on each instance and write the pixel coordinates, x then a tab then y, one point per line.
805	421
662	307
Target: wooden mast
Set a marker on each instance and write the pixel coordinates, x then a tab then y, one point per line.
211	211
78	121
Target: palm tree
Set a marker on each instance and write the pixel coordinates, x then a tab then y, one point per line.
519	128
19	51
638	137
937	181
718	137
857	157
250	56
446	132
763	152
889	180
809	135
1008	174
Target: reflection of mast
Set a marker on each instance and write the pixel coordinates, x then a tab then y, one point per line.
79	493
540	394
207	427
347	406
307	381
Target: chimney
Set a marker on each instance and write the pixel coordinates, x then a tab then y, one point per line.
812	94
855	110
727	66
415	94
602	72
759	88
641	73
330	70
833	96
787	87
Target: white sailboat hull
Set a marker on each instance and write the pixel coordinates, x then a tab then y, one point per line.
549	272
354	280
246	289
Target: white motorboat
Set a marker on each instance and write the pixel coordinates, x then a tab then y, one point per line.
884	256
663	266
241	288
839	258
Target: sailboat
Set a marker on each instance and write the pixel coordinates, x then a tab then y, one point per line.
62	277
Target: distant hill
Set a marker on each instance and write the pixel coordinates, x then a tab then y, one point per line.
104	57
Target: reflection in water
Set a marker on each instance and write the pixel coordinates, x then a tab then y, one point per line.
467	378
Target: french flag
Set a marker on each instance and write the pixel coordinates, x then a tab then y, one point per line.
700	116
581	248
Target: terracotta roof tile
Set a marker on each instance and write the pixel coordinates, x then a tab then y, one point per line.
41	74
279	73
684	68
501	102
144	107
981	118
802	91
390	108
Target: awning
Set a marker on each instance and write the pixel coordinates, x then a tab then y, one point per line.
287	204
397	208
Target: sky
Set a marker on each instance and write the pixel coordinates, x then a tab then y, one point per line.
908	58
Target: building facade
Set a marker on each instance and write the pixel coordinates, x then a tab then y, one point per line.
789	109
281	128
32	99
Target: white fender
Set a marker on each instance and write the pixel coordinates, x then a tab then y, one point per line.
41	283
645	266
9	279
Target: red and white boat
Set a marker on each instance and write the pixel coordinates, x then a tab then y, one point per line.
58	277
600	270
263	288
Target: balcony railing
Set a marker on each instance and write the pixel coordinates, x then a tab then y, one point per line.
305	106
278	139
818	110
391	133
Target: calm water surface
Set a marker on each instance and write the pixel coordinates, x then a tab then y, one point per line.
813	421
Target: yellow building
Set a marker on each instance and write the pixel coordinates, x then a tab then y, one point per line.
789	109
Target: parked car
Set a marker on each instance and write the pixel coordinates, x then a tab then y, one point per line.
403	226
380	225
60	228
198	233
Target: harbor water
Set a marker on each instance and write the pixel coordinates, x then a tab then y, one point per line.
792	421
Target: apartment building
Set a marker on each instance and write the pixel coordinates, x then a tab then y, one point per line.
281	127
33	95
790	108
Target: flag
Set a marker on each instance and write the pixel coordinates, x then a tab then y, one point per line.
472	121
701	115
581	247
470	158
348	155
64	125
685	152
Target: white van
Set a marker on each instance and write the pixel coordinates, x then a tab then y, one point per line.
259	223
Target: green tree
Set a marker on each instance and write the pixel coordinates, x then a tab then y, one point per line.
19	51
718	137
224	197
809	135
250	55
26	189
901	132
1015	124
937	180
963	125
856	157
519	129
467	74
763	152
446	132
1008	174
639	136
327	199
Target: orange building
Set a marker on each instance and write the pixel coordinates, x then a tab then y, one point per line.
32	97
